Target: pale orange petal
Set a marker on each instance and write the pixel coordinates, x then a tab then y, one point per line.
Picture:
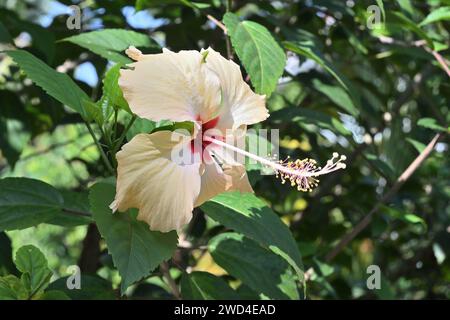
240	105
134	53
148	179
171	86
238	177
217	179
236	138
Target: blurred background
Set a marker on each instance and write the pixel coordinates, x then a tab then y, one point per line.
395	101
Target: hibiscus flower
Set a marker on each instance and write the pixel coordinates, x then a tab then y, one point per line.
208	90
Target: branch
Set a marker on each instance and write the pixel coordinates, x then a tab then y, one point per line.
76	212
51	148
90	254
217	23
398	184
439	59
368	218
173	286
420	44
330	181
326	187
100	149
224	28
118	142
437	55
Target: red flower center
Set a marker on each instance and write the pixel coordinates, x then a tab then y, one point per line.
205	127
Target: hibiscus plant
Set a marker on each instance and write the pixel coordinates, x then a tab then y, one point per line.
182	159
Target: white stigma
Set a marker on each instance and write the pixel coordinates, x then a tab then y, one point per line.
300	173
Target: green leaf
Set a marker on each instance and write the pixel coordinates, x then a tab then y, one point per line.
205	286
92	288
5	37
136	251
42	39
419	146
6	262
307	50
58	85
258	268
262	57
93	112
9	151
112	92
147	126
430	123
337	95
323	269
247	214
54	295
258	144
400	18
356	42
27	202
387	290
383	167
110	43
245	293
14	135
412	218
321	272
414	52
140	126
195	5
11	288
34	267
77	202
439	14
145	4
438	46
404	216
407	7
381	6
304	117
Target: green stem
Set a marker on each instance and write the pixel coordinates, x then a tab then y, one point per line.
122	137
107	135
229	5
227	36
40	286
115	124
100	149
124	134
76	212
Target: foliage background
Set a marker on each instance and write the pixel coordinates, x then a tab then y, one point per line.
377	95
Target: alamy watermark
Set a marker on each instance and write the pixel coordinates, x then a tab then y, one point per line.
225	146
73	22
74	280
374	20
373	281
